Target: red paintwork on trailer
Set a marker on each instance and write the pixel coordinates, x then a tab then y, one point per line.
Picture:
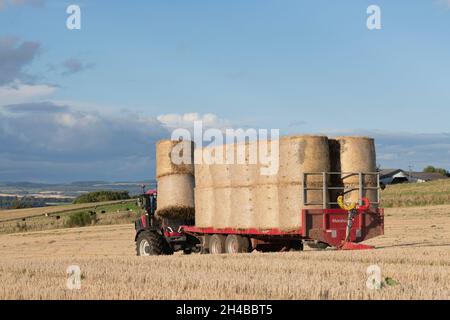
325	225
253	231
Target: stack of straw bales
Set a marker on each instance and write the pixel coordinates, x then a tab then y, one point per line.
238	196
176	182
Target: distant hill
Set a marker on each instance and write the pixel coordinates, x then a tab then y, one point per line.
42	194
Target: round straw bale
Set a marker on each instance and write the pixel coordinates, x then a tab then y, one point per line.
214	158
176	196
164	162
267	170
357	154
204	207
203	176
242	208
290	206
266	206
222	203
221	176
243	171
299	154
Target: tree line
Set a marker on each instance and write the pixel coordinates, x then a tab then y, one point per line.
101	196
431	169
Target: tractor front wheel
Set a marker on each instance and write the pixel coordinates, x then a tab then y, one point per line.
150	243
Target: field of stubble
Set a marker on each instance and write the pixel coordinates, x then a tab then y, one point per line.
414	257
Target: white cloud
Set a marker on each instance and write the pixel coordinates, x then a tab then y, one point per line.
186	121
33	3
19	92
63	132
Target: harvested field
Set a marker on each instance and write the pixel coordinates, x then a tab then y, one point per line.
417	194
9	215
414	257
105	213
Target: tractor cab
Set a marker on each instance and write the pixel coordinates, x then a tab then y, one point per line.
147	201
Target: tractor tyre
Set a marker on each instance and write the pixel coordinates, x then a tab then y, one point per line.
296	246
150	243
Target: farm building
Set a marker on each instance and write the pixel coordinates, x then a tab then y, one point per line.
395	176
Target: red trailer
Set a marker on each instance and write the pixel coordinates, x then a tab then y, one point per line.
321	228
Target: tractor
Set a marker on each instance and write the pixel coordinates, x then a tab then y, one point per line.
156	236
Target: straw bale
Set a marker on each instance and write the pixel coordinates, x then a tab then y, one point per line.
164	163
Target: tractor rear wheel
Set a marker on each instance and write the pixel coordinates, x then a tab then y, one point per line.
217	244
296	246
150	243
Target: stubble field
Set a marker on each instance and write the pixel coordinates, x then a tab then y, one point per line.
414	258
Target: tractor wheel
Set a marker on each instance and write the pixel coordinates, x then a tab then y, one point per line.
296	246
217	244
152	244
236	244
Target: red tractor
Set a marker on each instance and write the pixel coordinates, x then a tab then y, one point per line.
156	236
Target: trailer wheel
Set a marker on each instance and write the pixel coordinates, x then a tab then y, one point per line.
204	242
246	245
317	245
217	244
236	244
152	244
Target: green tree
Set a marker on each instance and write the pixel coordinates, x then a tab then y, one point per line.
431	169
100	196
20	204
80	219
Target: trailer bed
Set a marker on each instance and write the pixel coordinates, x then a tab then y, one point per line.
322	225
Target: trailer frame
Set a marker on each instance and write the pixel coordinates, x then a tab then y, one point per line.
322	225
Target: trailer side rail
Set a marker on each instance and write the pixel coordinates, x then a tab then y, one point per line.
326	188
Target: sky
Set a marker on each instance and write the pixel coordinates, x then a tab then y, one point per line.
90	104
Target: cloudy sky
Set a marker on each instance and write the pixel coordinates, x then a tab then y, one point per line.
89	104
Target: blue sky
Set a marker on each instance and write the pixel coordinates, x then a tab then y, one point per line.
89	103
